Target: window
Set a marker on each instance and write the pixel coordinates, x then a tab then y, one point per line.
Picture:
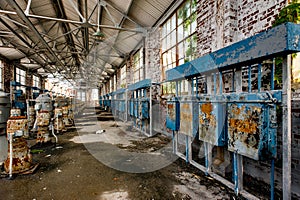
36	81
1	75
138	65
123	76
20	77
111	84
178	37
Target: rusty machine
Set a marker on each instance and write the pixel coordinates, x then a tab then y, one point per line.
44	109
19	158
59	114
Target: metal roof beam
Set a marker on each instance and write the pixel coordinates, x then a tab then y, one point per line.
22	15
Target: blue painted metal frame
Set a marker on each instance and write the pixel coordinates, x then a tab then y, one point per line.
252	124
140	85
173	114
281	40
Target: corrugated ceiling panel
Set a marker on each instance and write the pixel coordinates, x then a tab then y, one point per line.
10	53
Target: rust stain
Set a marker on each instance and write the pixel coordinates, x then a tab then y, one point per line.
206	108
185	106
244	126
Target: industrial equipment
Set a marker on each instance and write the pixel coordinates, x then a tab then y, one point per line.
4	114
243	120
212	115
140	105
44	110
252	124
173	114
119	104
19	158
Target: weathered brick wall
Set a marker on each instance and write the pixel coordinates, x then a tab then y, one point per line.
223	22
206	26
129	72
152	56
8	76
256	16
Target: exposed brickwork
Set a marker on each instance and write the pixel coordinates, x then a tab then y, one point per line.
206	26
221	23
8	76
129	73
256	16
152	58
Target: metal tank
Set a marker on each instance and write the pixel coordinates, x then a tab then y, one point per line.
44	103
45	108
5	106
4	110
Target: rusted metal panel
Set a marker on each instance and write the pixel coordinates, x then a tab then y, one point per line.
18	126
173	114
21	157
31	116
246	126
188	116
43	122
212	122
43	118
252	124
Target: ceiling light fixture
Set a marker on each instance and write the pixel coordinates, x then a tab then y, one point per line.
99	36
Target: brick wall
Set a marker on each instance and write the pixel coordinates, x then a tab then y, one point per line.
206	26
221	23
152	56
256	16
8	76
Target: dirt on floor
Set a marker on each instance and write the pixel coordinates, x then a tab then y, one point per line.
69	171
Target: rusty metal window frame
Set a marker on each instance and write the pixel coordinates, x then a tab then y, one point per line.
138	63
178	41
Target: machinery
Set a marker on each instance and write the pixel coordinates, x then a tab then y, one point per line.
31	115
241	120
19	158
140	105
44	111
4	114
59	115
70	113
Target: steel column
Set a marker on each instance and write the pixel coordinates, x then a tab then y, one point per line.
286	127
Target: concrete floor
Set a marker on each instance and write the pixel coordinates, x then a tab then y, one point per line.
119	163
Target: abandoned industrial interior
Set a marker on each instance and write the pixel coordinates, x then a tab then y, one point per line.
147	99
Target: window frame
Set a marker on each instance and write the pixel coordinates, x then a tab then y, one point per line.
184	48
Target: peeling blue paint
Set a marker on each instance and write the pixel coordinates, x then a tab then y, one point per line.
283	40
